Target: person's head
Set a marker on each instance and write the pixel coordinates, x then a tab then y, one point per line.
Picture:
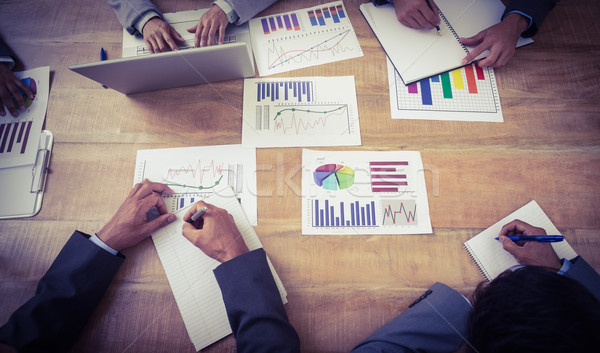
533	309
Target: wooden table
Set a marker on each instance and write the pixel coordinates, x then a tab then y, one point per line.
341	288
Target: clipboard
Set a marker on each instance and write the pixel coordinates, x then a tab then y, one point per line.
22	187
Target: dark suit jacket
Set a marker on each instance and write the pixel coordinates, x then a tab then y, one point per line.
67	294
436	322
537	9
5	50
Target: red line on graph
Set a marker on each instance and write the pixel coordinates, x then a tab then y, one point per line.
300	124
217	169
305	50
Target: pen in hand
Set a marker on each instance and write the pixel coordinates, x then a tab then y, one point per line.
538	238
436	27
194	219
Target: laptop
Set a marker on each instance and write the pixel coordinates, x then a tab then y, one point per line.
139	71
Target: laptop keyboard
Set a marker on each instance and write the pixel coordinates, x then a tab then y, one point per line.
143	50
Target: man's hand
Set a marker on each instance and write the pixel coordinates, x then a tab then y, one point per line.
160	36
500	39
530	252
219	237
416	14
212	21
10	84
130	224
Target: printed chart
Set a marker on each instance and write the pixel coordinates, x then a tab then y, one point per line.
194	173
468	93
19	137
364	193
303	38
304	111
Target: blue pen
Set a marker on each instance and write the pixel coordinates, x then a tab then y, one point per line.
103	58
538	238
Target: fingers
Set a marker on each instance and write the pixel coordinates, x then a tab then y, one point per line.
472	41
417	14
147	187
195	208
159	35
158	223
519	227
510	246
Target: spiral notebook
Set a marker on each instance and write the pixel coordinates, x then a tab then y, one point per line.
490	256
417	54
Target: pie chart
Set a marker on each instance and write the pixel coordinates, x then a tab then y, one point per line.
334	176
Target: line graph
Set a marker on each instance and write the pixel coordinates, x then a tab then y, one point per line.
399	212
284	57
312	121
203	175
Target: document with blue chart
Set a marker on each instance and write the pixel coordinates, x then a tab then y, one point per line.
364	192
20	136
300	111
303	38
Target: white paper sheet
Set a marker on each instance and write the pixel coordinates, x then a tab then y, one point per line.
370	192
19	137
303	38
303	111
490	256
190	272
195	172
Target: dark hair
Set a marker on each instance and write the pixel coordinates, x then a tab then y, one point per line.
533	309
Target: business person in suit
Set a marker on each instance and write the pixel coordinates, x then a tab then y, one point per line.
521	18
142	16
76	281
550	303
10	84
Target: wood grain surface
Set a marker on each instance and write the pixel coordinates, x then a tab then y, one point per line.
341	288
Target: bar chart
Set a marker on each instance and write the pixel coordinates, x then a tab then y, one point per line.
290	91
327	213
466	93
388	176
318	17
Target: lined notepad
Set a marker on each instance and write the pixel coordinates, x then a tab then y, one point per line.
490	256
190	272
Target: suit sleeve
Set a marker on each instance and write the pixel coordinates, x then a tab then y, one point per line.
537	9
435	322
248	9
5	50
583	273
65	298
129	12
254	307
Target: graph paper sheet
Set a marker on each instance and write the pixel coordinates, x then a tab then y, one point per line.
303	38
364	192
468	93
303	111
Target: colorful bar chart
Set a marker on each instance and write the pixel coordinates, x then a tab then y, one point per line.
328	213
297	91
319	17
444	79
388	176
288	22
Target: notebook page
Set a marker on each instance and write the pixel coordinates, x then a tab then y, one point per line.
488	252
190	273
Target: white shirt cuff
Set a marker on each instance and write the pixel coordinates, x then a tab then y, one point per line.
8	60
232	16
566	266
139	25
525	15
94	239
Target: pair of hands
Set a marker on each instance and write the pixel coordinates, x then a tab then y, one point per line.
219	237
160	36
500	39
9	85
